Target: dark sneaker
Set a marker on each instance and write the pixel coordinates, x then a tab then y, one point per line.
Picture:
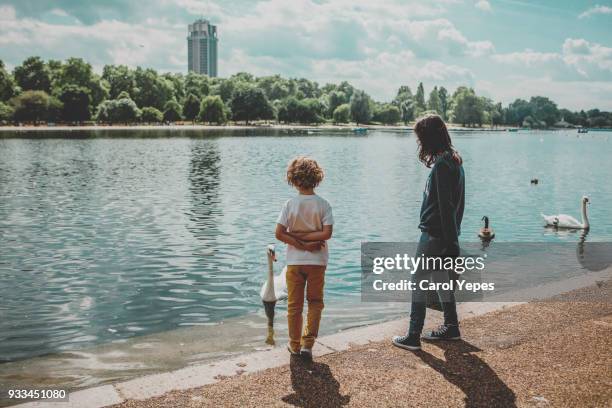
306	353
293	353
409	342
444	332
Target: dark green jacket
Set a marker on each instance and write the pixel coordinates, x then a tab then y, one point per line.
443	202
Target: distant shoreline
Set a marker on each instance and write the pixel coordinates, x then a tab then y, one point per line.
68	128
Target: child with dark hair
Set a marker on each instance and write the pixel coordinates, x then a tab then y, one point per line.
440	225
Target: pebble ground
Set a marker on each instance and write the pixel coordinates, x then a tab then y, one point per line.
556	353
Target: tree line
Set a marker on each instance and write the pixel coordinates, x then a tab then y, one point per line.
70	91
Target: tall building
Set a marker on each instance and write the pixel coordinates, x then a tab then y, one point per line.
202	48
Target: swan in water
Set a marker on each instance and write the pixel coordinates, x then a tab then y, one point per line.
273	290
486	233
567	221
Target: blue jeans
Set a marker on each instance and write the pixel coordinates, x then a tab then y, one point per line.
431	246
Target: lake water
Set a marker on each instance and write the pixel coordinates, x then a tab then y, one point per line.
110	235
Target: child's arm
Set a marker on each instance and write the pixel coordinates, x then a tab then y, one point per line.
284	236
315	235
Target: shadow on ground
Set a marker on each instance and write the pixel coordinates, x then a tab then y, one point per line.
314	385
480	384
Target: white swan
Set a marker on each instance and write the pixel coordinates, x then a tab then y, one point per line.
567	221
273	290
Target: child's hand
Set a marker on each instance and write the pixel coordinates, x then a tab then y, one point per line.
313	246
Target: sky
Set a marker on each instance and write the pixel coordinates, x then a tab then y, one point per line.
504	49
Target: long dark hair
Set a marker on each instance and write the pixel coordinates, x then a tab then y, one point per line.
433	139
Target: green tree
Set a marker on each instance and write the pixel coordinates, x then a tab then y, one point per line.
224	88
76	103
434	103
191	107
172	111
279	90
286	110
33	75
151	89
467	107
404	100
151	115
273	86
347	89
335	99
120	79
176	83
531	122
250	103
544	110
196	84
122	110
77	72
8	87
419	100
126	111
342	113
55	71
307	110
583	118
307	88
244	77
444	102
212	109
517	112
387	114
361	107
497	114
104	111
570	117
35	106
6	112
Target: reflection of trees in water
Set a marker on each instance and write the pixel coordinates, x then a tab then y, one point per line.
204	173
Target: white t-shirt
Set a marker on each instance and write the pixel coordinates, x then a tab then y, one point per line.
306	213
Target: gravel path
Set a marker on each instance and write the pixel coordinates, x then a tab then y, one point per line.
547	354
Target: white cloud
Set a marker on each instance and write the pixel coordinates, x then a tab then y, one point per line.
444	33
483	5
370	44
584	56
588	60
597	9
376	45
197	7
527	57
108	41
59	12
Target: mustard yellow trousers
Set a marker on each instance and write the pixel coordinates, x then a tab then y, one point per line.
311	278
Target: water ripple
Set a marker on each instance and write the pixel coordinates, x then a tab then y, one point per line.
104	239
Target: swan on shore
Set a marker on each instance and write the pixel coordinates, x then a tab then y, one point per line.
567	221
485	232
273	290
